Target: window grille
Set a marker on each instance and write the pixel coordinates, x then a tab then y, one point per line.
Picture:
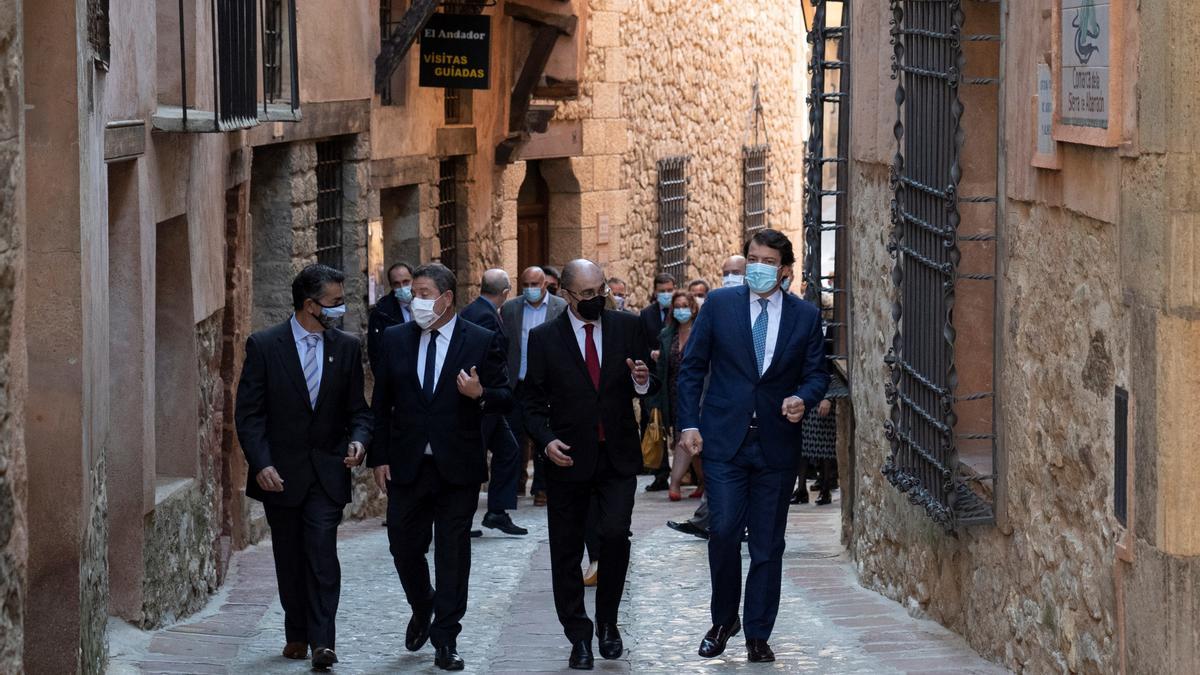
272	50
237	62
395	88
672	216
929	62
453	106
329	204
754	188
98	35
447	230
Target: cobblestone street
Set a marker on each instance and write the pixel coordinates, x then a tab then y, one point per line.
827	622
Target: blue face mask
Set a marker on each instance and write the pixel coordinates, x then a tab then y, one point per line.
664	299
403	294
682	314
761	277
786	284
533	295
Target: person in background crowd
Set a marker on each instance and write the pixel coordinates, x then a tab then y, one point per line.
672	342
763	355
818	442
390	310
619	292
733	271
699	290
302	423
440	379
494	288
553	279
521	315
786	285
582	418
653	318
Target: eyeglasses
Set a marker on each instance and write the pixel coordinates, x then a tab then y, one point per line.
589	293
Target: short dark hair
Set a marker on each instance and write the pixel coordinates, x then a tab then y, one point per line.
310	283
773	239
664	278
397	266
551	271
698	282
441	275
613	281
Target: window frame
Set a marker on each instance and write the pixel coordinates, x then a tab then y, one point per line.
673	244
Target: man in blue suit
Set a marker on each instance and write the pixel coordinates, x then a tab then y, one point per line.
763	352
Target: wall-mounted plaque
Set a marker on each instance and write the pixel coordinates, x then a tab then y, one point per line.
1088	60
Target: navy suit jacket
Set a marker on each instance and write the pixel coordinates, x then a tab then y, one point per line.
450	423
483	314
722	348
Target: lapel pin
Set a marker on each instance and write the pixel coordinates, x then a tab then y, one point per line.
331	359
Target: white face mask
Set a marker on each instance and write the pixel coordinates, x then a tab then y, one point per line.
731	280
423	312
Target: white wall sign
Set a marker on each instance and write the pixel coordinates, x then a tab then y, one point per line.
1086	58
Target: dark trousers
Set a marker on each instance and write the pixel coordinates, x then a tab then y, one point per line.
516	422
431	509
567	507
506	464
746	492
304	544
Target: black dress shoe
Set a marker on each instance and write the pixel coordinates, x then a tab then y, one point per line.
323	657
800	496
688	527
447	658
660	483
824	499
418	630
581	656
758	651
611	646
475	534
714	640
503	522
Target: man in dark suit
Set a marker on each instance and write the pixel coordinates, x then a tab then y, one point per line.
302	422
390	310
502	482
653	317
763	354
534	307
584	370
439	378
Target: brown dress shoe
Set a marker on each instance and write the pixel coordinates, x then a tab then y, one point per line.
539	498
295	650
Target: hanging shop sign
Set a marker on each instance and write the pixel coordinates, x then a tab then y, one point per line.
456	51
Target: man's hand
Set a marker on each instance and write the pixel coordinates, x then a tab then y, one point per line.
793	408
269	480
556	450
468	385
354	454
654	354
690	440
641	374
824	408
383	473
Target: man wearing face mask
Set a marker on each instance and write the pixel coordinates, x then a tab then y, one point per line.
391	310
733	271
585	368
653	318
440	377
763	353
699	290
619	292
302	423
552	279
521	315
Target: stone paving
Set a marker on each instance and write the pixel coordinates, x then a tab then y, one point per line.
827	622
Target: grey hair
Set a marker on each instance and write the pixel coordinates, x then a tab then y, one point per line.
441	275
494	282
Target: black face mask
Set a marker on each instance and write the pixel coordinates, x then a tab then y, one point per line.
590	309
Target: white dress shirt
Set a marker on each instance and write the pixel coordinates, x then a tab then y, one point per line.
443	345
299	333
531	318
577	326
774	311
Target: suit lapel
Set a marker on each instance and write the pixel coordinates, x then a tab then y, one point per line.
328	371
787	327
571	344
290	358
610	358
450	363
747	333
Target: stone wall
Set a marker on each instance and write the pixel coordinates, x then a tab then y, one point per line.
283	208
664	78
13	541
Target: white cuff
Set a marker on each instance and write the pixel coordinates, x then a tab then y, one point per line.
641	389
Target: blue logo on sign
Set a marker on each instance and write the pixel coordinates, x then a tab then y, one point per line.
1087	29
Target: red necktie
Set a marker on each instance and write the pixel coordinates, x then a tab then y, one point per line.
592	358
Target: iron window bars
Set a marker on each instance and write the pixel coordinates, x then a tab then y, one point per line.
329	204
447	227
829	78
754	188
393	91
672	216
928	61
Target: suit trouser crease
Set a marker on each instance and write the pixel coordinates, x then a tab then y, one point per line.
433	510
568	507
747	493
506	464
516	423
304	546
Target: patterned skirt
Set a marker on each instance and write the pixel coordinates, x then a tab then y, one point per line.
818	436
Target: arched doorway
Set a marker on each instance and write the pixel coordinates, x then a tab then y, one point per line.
533	219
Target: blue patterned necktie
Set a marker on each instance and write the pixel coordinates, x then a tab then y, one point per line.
312	374
760	334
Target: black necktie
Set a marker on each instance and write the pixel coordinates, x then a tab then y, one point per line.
430	361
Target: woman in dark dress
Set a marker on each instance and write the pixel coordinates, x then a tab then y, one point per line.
671	343
818	442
